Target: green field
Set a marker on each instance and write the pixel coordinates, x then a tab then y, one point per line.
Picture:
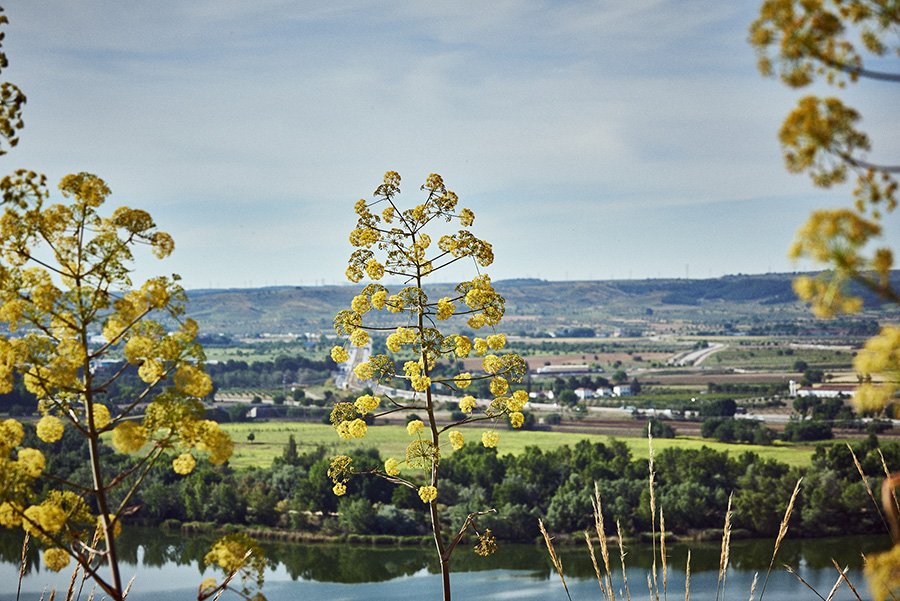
270	438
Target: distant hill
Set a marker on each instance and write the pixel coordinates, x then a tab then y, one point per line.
531	304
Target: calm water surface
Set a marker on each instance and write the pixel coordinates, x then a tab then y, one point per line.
168	568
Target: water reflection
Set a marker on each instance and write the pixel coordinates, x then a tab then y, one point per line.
352	564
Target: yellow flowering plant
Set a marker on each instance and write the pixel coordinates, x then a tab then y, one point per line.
802	41
395	242
67	306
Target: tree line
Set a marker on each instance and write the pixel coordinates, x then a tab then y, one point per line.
691	485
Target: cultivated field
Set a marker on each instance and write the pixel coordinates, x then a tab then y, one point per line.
270	438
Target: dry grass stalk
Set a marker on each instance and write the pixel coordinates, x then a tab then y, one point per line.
604	543
687	578
128	588
782	531
652	510
887	474
753	586
726	548
650	586
557	562
865	482
791	571
622	557
70	592
843	576
662	550
834	589
590	545
22	564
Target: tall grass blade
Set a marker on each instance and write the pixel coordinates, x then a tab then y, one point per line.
865	481
622	557
557	562
889	499
843	576
662	550
590	546
687	578
726	547
22	564
782	531
70	592
652	509
834	589
600	526
802	581
753	586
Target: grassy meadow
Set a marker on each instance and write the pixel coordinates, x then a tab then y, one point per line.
269	439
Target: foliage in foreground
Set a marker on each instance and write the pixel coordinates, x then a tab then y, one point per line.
397	243
67	303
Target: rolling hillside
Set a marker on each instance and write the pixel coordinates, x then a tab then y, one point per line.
534	305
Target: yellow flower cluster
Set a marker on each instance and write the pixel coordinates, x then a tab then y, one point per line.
10	514
456	440
427	493
360	304
356	428
487	544
233	552
420	383
364	237
516	419
499	386
379	299
463	346
367	403
192	381
363	371
414	427
339	354
517	401
129	437
359	337
462	381
50	428
184	464
48	517
496	341
445	308
392	467
56	559
492	364
101	416
400	337
11	435
481	346
467	404
374	269
880	357
490	438
31	462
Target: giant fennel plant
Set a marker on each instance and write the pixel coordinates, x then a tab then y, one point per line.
396	243
75	325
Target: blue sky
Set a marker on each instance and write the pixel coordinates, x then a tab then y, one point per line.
593	140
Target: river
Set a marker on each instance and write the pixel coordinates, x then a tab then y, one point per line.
167	567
